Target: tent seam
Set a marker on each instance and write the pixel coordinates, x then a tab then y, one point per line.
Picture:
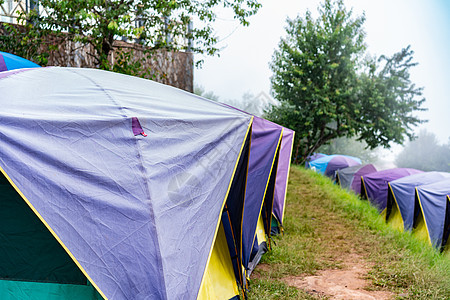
143	171
224	202
267	185
287	177
395	200
423	215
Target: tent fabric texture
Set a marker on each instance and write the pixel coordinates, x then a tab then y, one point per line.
267	178
401	196
138	215
266	139
374	186
284	163
312	157
10	61
434	201
328	165
350	178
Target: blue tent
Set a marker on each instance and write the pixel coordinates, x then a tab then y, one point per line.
10	61
312	157
434	213
329	164
401	193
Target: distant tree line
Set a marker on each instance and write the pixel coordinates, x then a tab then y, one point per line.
425	153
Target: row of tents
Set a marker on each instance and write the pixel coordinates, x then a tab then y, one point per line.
118	187
409	199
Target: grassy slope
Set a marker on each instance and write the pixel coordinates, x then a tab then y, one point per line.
323	223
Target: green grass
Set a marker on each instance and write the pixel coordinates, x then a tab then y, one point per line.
324	223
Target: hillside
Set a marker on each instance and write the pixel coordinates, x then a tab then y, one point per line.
336	246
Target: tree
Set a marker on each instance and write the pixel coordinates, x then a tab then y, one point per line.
328	90
387	100
425	153
153	23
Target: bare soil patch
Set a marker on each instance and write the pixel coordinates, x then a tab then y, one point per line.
347	282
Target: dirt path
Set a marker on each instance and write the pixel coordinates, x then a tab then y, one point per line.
335	246
345	283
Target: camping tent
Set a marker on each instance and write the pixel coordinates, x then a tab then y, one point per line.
312	157
130	179
329	164
270	157
11	62
401	197
350	178
284	162
259	194
434	212
374	186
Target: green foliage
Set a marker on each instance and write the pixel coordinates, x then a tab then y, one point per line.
327	91
126	64
388	99
264	289
25	41
153	23
425	153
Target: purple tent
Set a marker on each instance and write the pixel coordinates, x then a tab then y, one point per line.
374	186
401	196
312	157
434	214
262	171
350	177
328	165
340	162
266	183
284	163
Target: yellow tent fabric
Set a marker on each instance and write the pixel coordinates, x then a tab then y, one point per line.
421	230
395	218
219	281
260	232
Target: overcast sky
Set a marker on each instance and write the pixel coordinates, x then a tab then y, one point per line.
243	65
